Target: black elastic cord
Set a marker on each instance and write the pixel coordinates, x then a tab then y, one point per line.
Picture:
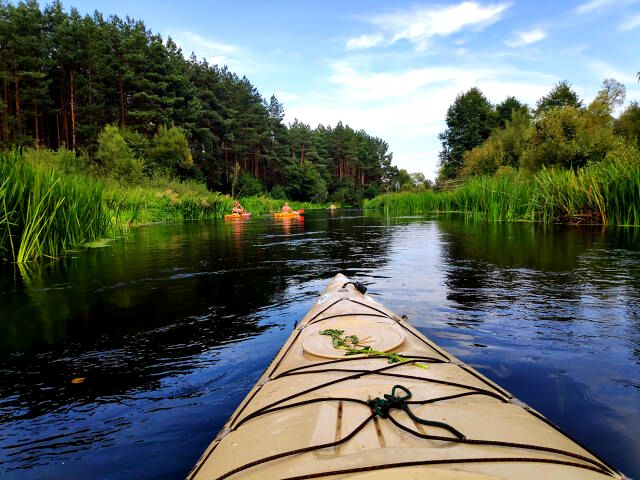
358	286
448	461
378	406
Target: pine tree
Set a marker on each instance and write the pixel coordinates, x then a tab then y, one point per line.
561	95
107	85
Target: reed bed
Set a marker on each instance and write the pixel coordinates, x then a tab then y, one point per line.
170	203
45	213
176	201
46	210
506	197
605	193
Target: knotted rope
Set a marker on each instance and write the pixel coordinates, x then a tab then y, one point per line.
381	407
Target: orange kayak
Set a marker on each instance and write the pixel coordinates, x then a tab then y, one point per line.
286	214
232	216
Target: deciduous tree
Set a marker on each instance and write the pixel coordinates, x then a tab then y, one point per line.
628	124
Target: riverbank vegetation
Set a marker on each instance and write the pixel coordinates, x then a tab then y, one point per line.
559	162
49	204
160	200
44	212
116	127
132	106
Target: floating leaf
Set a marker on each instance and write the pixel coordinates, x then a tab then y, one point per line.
100	243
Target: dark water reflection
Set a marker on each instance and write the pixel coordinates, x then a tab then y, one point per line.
172	326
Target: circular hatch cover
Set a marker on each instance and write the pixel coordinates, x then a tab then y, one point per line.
381	335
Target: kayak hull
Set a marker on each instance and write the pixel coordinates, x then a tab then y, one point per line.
286	214
308	417
237	216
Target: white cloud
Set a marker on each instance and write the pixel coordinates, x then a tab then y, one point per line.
407	107
285	96
216	53
600	5
630	23
364	41
574	51
376	85
419	25
605	70
369	86
593	5
206	44
522	39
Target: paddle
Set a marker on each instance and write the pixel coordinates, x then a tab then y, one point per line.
300	211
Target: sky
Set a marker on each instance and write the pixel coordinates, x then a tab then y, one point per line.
393	68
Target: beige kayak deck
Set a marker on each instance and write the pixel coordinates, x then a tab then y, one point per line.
313	413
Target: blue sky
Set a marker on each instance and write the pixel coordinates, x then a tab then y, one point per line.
393	68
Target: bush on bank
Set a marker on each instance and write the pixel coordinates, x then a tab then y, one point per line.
606	192
51	202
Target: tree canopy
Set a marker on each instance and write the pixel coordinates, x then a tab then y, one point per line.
69	80
563	133
505	109
561	95
470	120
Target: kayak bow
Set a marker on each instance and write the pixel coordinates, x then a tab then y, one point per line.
357	392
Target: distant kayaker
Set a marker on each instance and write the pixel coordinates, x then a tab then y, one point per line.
333	206
286	208
237	208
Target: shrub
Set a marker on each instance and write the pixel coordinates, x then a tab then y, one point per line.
503	148
568	137
169	151
278	192
371	191
304	183
249	185
62	159
137	142
484	159
116	157
628	124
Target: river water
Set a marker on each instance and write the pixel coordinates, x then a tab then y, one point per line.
171	326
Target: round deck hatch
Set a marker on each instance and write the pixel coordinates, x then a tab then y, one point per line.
381	335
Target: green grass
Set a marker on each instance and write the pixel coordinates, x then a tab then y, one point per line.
163	200
601	193
46	209
45	213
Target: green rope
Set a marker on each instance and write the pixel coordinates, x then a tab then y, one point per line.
381	407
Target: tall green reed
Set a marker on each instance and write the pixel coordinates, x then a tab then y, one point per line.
607	192
45	213
504	197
